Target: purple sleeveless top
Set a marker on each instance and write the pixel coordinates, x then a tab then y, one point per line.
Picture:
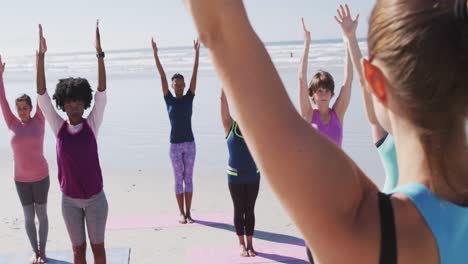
79	171
332	130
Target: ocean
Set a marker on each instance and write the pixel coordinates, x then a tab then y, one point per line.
135	132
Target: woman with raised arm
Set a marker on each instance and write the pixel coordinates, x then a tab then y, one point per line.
243	179
183	149
381	130
31	169
79	172
329	121
418	59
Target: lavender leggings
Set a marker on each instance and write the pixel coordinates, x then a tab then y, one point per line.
183	160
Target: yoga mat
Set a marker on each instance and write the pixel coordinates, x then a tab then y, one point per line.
267	252
114	256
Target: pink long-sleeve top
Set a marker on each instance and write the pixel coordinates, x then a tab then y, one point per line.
27	142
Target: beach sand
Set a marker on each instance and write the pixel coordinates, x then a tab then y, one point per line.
142	194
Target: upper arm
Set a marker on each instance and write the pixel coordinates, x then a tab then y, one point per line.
52	117
342	102
227	124
39	113
165	85
97	113
226	116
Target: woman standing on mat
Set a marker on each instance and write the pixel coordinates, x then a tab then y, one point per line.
243	179
381	129
418	59
79	171
183	149
329	121
31	169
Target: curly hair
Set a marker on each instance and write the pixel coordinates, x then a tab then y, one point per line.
73	89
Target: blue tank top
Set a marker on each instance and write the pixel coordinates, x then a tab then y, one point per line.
241	166
387	152
447	221
180	115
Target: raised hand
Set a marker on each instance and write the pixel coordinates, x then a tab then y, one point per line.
196	45
306	32
155	47
98	38
344	19
42	42
2	66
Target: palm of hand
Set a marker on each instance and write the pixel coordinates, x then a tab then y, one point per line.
348	26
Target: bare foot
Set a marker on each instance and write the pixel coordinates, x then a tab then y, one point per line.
42	257
252	252
243	251
33	259
182	219
189	219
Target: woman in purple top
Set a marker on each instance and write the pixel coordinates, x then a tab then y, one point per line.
79	171
182	150
329	121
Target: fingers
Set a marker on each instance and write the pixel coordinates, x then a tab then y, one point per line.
339	15
357	18
348	13
303	24
338	20
98	34
342	11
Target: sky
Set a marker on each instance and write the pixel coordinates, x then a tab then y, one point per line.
69	25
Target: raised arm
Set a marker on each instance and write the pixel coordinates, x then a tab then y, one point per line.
193	81
300	163
225	114
44	101
349	34
40	57
304	101
6	110
102	83
342	101
100	99
165	85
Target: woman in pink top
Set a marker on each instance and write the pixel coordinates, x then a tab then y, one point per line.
31	169
329	121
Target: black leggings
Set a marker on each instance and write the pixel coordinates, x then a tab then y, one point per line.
244	197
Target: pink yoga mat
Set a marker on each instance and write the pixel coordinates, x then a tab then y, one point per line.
143	222
267	252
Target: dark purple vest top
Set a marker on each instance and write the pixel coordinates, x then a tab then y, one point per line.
79	171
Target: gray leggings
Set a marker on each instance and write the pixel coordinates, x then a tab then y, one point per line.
33	197
93	211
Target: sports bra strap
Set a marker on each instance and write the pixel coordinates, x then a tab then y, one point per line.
388	243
